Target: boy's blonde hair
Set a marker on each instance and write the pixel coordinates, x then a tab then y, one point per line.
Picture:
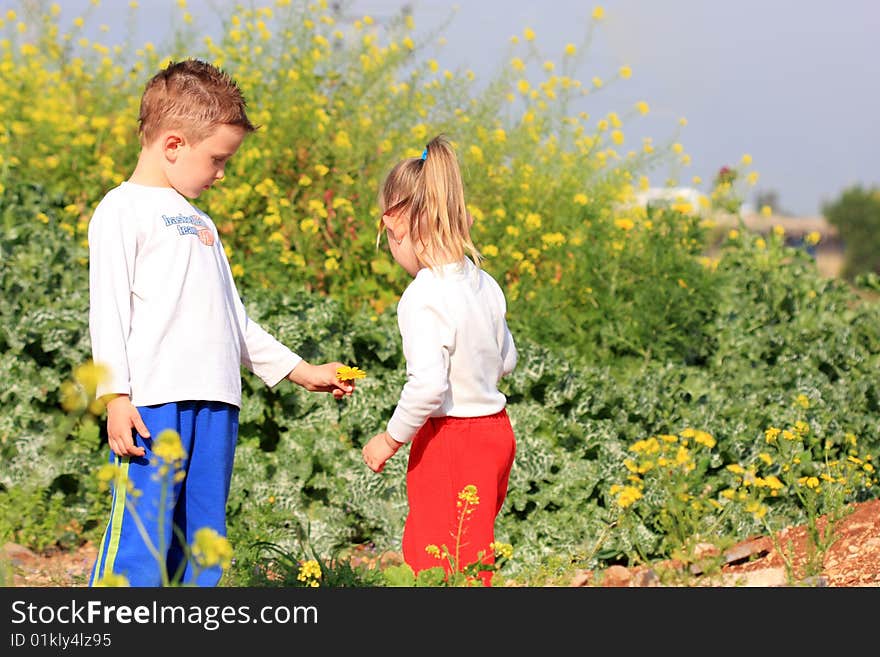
194	97
430	190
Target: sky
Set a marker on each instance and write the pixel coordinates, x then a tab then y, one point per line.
792	83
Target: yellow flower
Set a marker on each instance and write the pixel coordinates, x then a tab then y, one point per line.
529	34
757	509
570	49
108	474
501	549
642	106
210	549
598	13
112	580
89	375
346	373
168	446
310	571
625	72
628	496
704	438
468	495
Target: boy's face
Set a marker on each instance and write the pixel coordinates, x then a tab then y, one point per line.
193	168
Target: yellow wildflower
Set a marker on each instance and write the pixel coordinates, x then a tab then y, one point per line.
211	549
346	373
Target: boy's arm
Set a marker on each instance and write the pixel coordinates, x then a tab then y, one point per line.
268	358
112	249
320	378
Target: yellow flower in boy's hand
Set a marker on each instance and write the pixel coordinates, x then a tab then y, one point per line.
346	373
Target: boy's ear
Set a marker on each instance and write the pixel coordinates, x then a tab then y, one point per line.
172	142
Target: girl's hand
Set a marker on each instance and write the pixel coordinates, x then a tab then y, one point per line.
378	450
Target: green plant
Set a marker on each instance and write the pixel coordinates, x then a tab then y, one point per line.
856	215
269	564
822	474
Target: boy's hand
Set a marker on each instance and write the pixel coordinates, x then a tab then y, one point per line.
321	378
122	417
378	450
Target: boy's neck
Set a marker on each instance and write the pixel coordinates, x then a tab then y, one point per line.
147	172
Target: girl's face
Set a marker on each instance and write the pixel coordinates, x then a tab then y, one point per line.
397	232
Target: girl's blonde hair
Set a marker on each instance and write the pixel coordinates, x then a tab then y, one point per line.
192	96
430	190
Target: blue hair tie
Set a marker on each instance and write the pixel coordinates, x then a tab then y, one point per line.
425	153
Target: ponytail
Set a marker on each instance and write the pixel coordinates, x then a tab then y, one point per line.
430	188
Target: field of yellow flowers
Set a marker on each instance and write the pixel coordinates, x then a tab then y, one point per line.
662	397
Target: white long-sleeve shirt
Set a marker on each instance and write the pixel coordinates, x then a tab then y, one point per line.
457	347
165	316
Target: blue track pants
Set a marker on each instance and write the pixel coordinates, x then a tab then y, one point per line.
154	517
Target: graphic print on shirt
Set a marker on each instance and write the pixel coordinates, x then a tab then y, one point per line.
191	224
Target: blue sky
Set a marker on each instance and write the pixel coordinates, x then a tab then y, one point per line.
793	83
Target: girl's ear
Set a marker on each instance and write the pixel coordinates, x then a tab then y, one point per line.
396	225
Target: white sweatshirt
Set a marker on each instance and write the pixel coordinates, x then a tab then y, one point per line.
457	347
165	316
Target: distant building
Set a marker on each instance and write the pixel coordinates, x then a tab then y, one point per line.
668	196
828	253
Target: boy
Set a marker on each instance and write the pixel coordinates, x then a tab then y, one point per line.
166	320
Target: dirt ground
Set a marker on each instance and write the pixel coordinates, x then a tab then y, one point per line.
853	560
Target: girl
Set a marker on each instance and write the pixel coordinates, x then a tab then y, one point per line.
457	346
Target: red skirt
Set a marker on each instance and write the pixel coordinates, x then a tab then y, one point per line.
447	455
